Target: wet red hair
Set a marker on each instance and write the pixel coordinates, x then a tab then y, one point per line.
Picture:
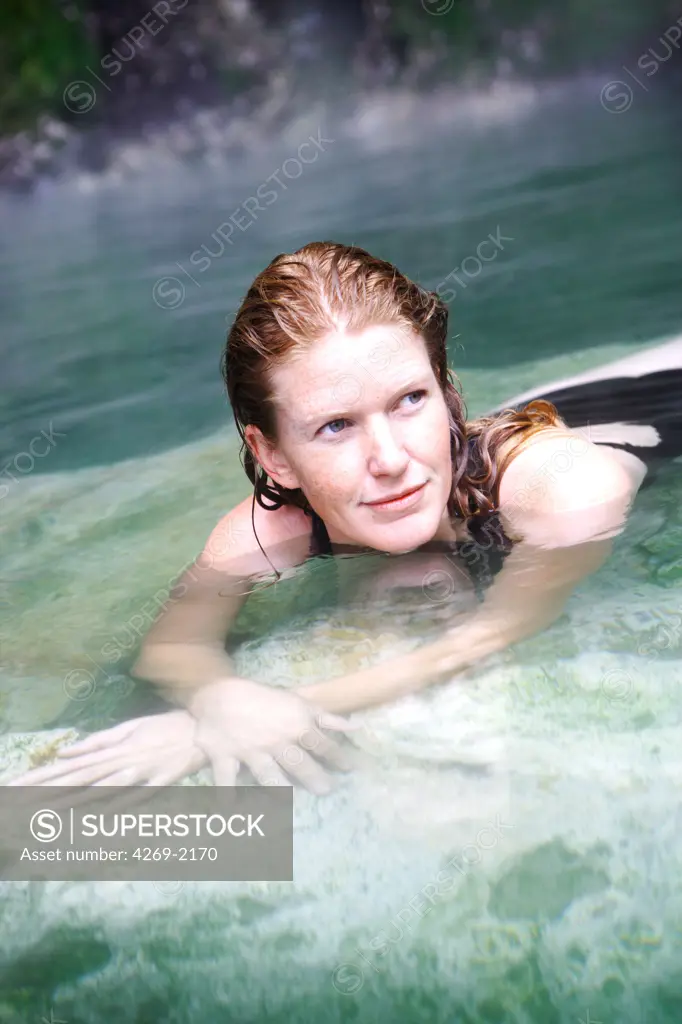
304	295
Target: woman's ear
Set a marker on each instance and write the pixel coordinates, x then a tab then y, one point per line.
270	458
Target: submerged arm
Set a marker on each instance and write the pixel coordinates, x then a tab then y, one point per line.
230	720
185	647
563	524
184	651
238	720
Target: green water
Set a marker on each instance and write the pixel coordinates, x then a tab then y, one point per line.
563	753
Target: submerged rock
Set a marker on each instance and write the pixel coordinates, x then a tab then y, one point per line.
20	752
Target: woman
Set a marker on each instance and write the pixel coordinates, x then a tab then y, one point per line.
355	436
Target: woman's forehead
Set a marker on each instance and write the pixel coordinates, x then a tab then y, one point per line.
347	374
378	352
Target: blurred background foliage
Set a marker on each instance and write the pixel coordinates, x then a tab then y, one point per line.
211	50
42	47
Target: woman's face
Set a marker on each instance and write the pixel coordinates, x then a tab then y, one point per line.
361	419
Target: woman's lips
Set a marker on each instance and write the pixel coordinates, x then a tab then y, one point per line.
397	504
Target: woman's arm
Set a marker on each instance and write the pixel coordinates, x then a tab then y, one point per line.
563	522
238	720
232	720
185	648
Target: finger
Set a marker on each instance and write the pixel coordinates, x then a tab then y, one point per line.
90	770
194	762
99	757
65	777
32	778
326	720
306	769
96	757
225	769
266	771
48	774
123	777
168	775
100	740
338	756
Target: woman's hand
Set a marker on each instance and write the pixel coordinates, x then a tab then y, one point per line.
155	751
271	731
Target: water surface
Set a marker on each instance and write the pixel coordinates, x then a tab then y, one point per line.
548	778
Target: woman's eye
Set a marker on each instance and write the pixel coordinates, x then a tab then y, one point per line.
334	423
336	427
416	396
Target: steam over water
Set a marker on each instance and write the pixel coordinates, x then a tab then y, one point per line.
511	847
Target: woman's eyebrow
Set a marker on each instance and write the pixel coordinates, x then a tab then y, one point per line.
328	415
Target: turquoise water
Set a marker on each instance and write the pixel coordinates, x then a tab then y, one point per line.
548	778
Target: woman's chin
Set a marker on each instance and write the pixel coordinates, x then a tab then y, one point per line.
404	535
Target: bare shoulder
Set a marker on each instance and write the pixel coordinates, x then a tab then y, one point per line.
559	470
284	533
559	458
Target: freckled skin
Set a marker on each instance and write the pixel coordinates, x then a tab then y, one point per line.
361	418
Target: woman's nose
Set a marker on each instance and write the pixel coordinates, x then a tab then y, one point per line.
387	453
